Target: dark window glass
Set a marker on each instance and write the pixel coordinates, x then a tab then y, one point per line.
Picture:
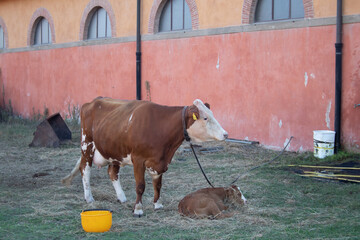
175	16
272	10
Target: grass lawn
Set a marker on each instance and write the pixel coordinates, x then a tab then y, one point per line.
281	205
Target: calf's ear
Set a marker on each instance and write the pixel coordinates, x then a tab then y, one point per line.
207	105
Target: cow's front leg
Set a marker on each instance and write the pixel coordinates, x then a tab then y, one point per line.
113	171
157	179
139	171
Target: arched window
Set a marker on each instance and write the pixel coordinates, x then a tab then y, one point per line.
175	16
2	38
100	26
273	10
41	28
42	32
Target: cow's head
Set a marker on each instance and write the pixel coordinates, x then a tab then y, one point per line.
204	126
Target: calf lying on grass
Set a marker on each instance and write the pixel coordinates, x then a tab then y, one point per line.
210	202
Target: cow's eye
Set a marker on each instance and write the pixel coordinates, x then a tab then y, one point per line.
205	118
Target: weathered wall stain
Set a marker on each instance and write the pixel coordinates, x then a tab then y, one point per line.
327	115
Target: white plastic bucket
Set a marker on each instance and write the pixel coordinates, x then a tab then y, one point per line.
324	143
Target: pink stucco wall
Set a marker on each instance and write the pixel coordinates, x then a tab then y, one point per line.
255	81
61	78
264	86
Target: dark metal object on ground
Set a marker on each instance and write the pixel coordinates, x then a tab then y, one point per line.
51	132
346	172
241	141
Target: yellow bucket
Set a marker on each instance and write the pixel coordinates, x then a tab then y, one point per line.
96	220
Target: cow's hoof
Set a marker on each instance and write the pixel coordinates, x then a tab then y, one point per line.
90	200
137	215
122	201
158	205
138	210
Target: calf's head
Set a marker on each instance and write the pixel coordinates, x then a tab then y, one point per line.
205	127
235	195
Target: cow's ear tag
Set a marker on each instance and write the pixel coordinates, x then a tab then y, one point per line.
194	117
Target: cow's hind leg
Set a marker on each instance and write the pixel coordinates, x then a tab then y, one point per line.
139	171
85	169
114	174
68	179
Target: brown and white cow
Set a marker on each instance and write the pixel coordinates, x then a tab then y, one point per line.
211	202
139	133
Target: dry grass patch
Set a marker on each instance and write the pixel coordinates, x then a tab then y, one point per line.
281	205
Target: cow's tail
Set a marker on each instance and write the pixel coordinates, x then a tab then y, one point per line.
68	179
